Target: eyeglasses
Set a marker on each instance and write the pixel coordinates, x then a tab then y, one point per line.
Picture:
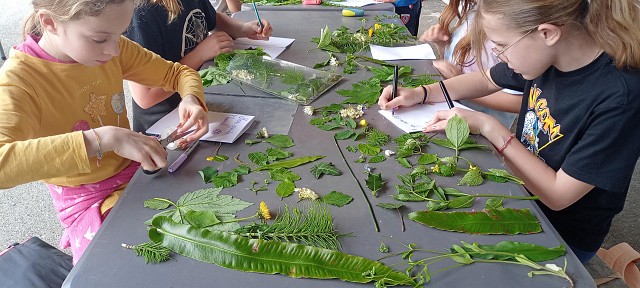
500	53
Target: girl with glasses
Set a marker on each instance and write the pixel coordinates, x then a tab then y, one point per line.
578	63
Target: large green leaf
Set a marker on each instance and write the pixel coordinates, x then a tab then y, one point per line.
505	250
457	131
492	221
269	257
290	163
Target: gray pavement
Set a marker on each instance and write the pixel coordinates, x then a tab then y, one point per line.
26	210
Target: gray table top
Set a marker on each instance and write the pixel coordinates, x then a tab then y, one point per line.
312	8
106	264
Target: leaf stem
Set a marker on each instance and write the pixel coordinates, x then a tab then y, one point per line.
373	216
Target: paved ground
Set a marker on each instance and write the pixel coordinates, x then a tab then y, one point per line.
26	210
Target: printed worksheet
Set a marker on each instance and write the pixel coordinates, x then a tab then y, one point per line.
223	127
413	119
274	46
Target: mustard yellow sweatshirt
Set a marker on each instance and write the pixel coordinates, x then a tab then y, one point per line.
44	106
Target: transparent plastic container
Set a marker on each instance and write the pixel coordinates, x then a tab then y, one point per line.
283	79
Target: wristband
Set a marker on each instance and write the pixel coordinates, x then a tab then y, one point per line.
506	143
99	152
425	95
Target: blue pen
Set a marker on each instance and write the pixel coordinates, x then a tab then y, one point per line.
255	8
394	92
176	164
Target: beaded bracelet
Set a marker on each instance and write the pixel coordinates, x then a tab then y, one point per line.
506	143
425	95
99	152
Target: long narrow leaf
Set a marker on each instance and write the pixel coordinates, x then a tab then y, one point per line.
491	221
269	257
289	163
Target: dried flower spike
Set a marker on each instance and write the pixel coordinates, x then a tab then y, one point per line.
306	193
263	133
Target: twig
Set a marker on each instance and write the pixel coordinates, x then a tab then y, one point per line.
373	216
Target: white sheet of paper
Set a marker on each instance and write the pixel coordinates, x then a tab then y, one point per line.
420	52
274	46
223	127
413	119
355	3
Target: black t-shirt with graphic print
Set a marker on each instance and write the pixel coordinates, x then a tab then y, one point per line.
585	122
172	41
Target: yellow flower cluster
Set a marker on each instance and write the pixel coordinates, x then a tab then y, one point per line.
264	211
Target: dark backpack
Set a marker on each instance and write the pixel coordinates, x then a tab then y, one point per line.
33	263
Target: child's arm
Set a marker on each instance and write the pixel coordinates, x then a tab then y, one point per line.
239	29
234	5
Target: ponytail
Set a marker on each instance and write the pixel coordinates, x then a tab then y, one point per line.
173	8
615	26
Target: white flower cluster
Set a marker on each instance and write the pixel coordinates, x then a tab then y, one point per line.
333	61
263	133
308	110
352	112
360	37
306	193
242	74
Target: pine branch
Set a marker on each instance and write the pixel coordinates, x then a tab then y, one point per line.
151	252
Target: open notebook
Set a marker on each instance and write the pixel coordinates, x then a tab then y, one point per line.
413	119
223	127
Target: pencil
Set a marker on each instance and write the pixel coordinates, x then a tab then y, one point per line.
446	95
394	92
255	8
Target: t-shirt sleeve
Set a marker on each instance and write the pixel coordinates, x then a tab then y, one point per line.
599	156
504	77
145	27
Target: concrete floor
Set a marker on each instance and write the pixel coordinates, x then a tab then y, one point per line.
26	210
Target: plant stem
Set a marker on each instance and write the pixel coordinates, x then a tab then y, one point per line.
507	196
373	216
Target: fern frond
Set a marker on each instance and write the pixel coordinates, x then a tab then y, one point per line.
151	252
313	228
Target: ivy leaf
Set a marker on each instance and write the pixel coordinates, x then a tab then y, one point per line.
207	174
404	162
225	179
390	205
285	188
337	198
377	159
346	134
242	170
457	131
472	178
368	149
426	159
277	154
258	158
283	174
201	219
325	168
374	182
280	141
157	203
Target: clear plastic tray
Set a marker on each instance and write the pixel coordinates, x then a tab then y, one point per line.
284	79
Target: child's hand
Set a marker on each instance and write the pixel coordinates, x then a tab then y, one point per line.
478	121
192	116
215	44
131	145
406	97
252	30
447	69
436	34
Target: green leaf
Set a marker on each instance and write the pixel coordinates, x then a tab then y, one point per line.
495	221
225	179
283	174
352	149
374	182
457	131
242	170
461	202
294	162
269	257
404	162
351	123
285	188
472	178
390	205
157	203
201	219
377	137
377	159
207	174
213	76
280	141
363	92
533	252
346	134
220	158
437	206
383	248
442	142
337	198
319	121
325	37
277	153
368	149
426	159
325	168
494	203
258	158
251	142
329	127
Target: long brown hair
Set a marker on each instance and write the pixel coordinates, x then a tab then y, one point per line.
173	7
458	10
613	24
64	10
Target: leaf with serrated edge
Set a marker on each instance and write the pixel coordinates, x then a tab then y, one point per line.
337	198
207	174
325	168
258	158
285	188
390	205
156	204
457	131
280	141
374	181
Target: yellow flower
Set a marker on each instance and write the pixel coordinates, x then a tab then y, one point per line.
264	211
370	32
210	158
363	123
436	168
377	26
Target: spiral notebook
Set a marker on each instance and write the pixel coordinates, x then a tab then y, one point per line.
223	127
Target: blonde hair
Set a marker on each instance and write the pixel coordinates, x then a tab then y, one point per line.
458	10
613	24
64	10
173	8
